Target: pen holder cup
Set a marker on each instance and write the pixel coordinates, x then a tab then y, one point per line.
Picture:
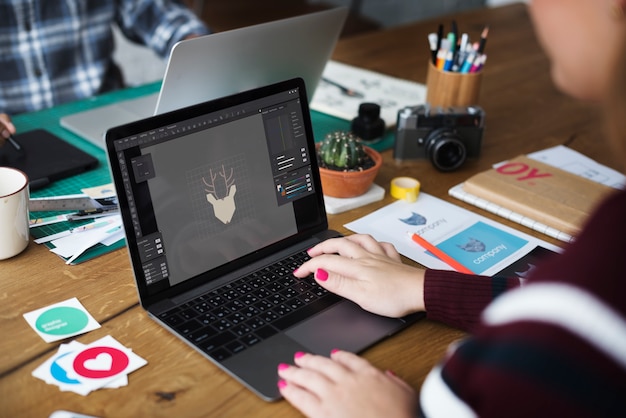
448	88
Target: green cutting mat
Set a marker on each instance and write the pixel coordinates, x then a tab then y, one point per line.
49	119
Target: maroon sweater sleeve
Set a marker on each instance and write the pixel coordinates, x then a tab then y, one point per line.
457	299
543	352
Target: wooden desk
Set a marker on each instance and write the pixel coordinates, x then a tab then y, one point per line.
524	113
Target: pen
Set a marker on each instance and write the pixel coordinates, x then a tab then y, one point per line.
345	90
93	225
455	31
14	143
439	36
440	254
483	40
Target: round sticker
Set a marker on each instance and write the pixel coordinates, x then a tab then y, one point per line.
61	320
59	373
100	362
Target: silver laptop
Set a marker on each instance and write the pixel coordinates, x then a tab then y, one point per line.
224	63
220	202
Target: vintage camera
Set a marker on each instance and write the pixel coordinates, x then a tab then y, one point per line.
447	136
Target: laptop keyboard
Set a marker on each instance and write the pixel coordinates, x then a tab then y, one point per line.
240	314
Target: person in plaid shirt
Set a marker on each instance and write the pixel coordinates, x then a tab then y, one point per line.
53	52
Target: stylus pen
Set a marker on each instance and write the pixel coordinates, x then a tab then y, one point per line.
14	143
345	90
440	254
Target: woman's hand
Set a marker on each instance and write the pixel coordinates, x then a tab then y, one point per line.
6	128
344	385
368	272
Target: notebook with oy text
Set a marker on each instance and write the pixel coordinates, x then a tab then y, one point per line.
220	202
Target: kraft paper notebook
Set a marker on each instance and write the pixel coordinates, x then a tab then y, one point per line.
534	194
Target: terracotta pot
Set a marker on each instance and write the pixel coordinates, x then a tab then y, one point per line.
350	183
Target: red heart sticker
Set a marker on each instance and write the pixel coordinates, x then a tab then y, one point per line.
100	362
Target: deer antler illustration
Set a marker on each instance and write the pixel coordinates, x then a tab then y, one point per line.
223	208
228	181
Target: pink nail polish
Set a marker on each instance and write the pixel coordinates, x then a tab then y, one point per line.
283	366
294	272
334	350
282	384
298	354
321	275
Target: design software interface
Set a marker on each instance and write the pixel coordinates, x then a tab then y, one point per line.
207	190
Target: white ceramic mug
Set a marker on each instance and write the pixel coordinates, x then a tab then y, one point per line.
14	195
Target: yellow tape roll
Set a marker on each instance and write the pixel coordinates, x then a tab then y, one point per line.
405	188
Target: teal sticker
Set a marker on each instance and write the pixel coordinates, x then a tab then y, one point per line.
62	320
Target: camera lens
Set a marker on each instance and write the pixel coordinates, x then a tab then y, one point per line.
445	150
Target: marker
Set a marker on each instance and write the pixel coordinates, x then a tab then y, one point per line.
432	42
482	62
464	42
441	59
440	254
442	54
463	51
452	42
477	64
447	66
455	31
467	65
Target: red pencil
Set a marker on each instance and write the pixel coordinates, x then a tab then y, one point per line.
440	254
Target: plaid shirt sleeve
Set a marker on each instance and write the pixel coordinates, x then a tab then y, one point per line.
52	52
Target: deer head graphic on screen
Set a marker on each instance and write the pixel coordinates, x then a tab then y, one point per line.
223	207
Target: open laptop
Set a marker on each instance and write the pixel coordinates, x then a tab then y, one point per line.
224	63
220	202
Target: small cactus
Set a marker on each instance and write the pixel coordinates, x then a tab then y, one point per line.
342	150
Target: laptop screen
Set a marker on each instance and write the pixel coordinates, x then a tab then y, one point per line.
206	189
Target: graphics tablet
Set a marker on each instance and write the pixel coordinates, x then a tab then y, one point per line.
45	158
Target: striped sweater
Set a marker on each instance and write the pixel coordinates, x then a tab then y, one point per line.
555	347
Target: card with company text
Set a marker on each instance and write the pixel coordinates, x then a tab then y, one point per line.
481	246
61	320
477	242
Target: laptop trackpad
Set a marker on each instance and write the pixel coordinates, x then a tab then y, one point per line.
345	326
